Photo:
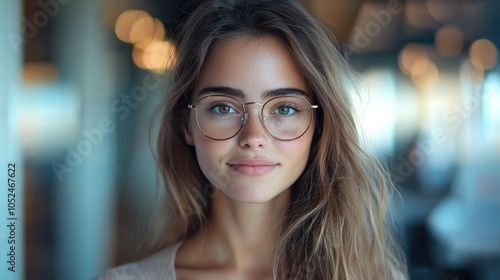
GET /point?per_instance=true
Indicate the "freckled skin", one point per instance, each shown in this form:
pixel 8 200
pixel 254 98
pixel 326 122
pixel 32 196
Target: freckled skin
pixel 252 65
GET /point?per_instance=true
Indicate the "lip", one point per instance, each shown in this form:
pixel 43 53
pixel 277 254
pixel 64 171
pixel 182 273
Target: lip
pixel 252 166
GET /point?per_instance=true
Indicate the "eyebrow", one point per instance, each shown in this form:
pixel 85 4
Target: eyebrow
pixel 238 93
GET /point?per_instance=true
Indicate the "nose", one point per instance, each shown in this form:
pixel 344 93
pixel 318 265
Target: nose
pixel 252 134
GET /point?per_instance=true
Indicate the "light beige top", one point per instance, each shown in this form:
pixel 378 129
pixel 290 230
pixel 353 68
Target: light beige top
pixel 160 265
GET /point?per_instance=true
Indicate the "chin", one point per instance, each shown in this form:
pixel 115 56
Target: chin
pixel 254 194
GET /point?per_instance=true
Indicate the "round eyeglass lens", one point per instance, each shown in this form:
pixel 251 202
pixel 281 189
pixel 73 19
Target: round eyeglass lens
pixel 219 117
pixel 287 117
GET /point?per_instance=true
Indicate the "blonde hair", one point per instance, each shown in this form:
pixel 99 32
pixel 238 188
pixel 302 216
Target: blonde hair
pixel 335 226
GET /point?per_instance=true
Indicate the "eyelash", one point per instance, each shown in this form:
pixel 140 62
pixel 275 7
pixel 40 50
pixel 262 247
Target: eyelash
pixel 291 106
pixel 218 104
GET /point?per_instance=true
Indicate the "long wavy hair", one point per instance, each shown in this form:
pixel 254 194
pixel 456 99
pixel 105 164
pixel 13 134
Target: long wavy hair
pixel 336 224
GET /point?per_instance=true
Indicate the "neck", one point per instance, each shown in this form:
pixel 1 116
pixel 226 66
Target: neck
pixel 244 235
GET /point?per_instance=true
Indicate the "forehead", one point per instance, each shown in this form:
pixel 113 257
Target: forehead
pixel 251 64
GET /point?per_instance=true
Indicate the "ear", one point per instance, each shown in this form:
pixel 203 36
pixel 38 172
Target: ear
pixel 188 136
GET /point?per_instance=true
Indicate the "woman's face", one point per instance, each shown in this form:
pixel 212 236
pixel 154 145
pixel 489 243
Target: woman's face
pixel 253 166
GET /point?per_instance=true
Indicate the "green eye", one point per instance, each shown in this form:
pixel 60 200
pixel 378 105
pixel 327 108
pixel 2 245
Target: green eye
pixel 222 109
pixel 285 110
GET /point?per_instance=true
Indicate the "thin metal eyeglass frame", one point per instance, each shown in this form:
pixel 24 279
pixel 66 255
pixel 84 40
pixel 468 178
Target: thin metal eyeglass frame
pixel 244 119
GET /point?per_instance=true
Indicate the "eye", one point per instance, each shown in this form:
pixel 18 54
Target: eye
pixel 286 109
pixel 222 108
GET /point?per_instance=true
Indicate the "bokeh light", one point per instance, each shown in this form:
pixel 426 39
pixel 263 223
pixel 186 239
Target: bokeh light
pixel 126 21
pixel 449 41
pixel 147 28
pixel 151 51
pixel 418 15
pixel 441 10
pixel 483 54
pixel 158 56
pixel 409 55
pixel 424 73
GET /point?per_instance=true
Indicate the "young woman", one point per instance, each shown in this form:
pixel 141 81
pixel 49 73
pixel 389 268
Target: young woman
pixel 259 152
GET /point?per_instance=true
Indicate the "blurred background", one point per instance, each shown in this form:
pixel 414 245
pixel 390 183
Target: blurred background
pixel 81 78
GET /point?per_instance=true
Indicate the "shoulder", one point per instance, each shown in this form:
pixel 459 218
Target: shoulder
pixel 157 266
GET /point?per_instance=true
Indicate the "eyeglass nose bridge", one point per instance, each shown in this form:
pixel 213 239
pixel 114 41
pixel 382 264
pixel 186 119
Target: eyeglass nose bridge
pixel 245 117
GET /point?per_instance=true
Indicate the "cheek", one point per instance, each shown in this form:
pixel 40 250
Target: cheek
pixel 302 146
pixel 212 156
pixel 303 152
pixel 296 153
pixel 299 151
pixel 203 147
pixel 209 153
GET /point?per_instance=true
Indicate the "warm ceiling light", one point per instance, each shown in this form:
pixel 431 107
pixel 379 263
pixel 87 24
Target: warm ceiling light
pixel 441 10
pixel 483 54
pixel 449 41
pixel 419 66
pixel 137 54
pixel 409 55
pixel 158 56
pixel 125 21
pixel 418 15
pixel 147 29
pixel 424 73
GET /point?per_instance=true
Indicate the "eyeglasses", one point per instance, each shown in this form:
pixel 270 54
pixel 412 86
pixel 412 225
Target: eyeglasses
pixel 221 117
